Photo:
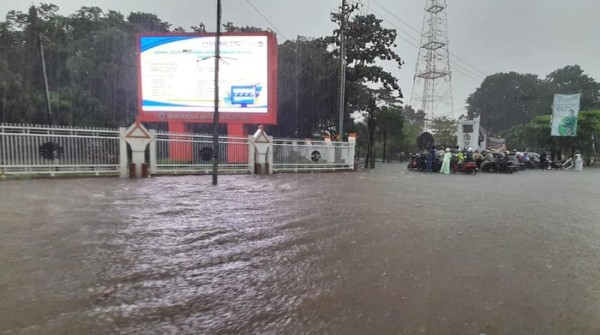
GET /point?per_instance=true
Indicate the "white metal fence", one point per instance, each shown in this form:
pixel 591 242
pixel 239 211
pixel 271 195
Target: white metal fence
pixel 55 150
pixel 292 155
pixel 178 153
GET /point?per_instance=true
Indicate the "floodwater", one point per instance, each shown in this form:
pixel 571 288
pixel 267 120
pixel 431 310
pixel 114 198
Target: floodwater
pixel 384 252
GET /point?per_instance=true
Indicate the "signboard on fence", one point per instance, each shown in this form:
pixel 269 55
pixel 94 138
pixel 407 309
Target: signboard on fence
pixel 177 72
pixel 564 114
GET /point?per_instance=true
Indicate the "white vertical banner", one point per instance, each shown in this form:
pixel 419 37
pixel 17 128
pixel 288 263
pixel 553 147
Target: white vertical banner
pixel 564 114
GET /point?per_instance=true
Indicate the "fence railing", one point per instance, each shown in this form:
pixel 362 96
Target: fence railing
pixel 55 150
pixel 179 153
pixel 291 155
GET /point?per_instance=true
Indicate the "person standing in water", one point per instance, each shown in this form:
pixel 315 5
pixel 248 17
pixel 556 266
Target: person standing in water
pixel 446 162
pixel 578 163
pixel 430 159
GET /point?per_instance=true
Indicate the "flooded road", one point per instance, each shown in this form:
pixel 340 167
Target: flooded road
pixel 387 252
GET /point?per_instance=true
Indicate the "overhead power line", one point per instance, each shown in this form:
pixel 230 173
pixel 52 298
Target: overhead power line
pixel 271 25
pixel 415 43
pixel 419 33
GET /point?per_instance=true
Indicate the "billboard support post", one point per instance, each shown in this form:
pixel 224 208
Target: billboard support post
pixel 215 170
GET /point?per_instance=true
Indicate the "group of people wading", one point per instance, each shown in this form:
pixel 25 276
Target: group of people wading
pixel 450 159
pixel 471 161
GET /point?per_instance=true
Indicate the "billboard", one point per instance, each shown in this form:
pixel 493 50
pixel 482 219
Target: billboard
pixel 564 114
pixel 494 143
pixel 177 71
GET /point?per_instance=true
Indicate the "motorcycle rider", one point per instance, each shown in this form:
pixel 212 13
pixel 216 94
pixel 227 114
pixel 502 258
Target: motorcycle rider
pixel 430 159
pixel 488 158
pixel 469 156
pixel 460 156
pixel 463 157
pixel 477 158
pixel 543 161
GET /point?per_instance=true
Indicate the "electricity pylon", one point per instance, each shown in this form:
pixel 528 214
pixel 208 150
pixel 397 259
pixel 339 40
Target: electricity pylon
pixel 432 85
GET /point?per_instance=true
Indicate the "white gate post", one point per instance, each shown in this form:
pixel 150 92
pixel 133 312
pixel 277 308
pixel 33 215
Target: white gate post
pixel 352 149
pixel 251 154
pixel 138 138
pixel 270 155
pixel 122 153
pixel 263 147
pixel 152 151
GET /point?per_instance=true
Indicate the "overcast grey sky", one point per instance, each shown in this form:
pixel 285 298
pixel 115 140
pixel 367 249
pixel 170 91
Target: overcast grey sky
pixel 533 36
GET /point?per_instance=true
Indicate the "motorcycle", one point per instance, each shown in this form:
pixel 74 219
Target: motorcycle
pixel 465 167
pixel 501 164
pixel 550 165
pixel 417 162
pixel 556 165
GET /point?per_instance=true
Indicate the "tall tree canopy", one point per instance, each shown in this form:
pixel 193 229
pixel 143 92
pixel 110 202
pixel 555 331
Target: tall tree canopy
pixel 507 99
pixel 572 79
pixel 535 135
pixel 368 45
pixel 90 62
pixel 416 118
pixel 92 70
pixel 444 130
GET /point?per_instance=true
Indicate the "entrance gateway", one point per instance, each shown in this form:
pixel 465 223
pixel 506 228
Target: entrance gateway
pixel 470 133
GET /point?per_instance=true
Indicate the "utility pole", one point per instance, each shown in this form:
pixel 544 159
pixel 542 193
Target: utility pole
pixel 432 85
pixel 45 80
pixel 342 71
pixel 215 171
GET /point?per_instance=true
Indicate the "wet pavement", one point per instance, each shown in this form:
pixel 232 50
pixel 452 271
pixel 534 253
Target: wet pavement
pixel 383 252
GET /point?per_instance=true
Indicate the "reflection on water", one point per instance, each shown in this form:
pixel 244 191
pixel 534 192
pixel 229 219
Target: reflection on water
pixel 346 253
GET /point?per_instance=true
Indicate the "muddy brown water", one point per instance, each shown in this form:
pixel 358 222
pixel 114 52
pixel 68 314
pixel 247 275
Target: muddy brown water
pixel 383 252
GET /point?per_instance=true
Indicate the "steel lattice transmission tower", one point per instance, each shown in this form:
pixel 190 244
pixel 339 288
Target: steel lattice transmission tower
pixel 432 86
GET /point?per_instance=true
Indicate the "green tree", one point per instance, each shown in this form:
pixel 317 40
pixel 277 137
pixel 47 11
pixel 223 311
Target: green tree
pixel 389 128
pixel 148 22
pixel 200 28
pixel 588 134
pixel 368 46
pixel 532 136
pixel 444 131
pixel 535 136
pixel 506 99
pixel 410 132
pixel 231 28
pixel 572 79
pixel 90 63
pixel 414 117
pixel 383 107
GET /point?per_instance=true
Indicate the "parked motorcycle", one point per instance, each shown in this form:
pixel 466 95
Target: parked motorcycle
pixel 515 161
pixel 465 167
pixel 556 165
pixel 501 164
pixel 417 162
